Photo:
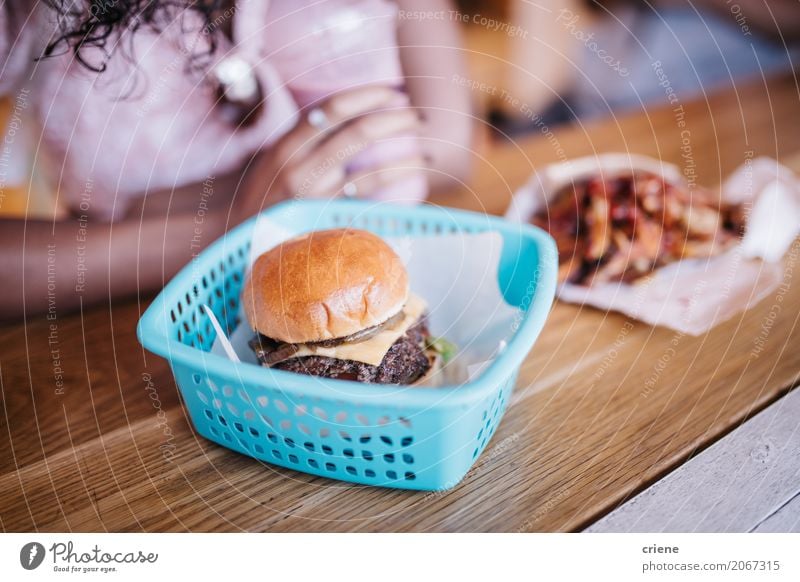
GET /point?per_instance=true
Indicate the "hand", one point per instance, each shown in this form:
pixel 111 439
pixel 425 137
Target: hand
pixel 313 160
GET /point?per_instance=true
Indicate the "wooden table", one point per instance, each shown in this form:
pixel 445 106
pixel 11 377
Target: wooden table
pixel 114 450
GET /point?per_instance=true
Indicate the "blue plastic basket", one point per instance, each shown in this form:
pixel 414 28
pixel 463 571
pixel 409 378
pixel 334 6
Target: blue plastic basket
pixel 409 438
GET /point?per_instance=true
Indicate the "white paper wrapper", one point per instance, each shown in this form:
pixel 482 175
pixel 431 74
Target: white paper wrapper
pixel 690 296
pixel 456 274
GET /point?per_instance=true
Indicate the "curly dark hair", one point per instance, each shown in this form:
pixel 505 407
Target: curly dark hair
pixel 97 23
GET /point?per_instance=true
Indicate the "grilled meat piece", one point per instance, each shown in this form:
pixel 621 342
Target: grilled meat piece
pixel 404 363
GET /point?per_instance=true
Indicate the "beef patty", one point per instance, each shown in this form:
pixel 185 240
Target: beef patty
pixel 404 363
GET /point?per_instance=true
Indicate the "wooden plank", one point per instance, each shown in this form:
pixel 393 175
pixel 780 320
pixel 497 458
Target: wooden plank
pixel 786 519
pixel 739 484
pixel 578 439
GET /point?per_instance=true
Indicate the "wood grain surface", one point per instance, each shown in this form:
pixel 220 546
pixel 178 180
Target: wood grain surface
pixel 114 450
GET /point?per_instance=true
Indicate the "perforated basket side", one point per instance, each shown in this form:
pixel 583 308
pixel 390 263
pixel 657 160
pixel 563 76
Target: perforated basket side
pixel 492 412
pixel 217 285
pixel 409 448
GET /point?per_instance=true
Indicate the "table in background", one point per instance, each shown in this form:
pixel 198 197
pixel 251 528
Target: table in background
pixel 574 444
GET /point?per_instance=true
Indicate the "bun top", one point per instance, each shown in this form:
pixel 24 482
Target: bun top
pixel 323 285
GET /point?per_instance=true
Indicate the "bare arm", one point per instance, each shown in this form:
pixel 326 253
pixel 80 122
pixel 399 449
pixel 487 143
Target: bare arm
pixel 432 54
pixel 52 267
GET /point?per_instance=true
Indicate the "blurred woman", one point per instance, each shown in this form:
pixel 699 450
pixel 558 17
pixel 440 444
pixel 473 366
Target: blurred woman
pixel 161 124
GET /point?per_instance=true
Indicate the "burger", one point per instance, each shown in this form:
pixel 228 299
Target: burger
pixel 336 304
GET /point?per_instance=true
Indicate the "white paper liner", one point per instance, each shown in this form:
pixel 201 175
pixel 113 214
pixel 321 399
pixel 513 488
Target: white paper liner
pixel 456 274
pixel 693 295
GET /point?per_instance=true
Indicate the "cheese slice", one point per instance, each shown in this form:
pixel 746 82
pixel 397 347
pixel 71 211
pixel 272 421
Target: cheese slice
pixel 372 350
